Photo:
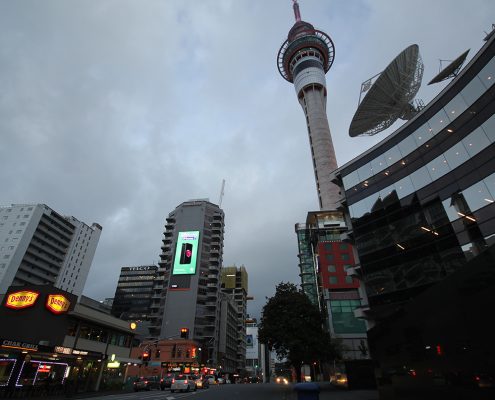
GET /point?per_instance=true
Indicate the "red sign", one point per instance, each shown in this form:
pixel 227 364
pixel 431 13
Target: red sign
pixel 22 299
pixel 44 368
pixel 57 303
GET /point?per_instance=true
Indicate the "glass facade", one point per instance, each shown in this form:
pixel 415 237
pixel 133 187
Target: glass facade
pixel 134 293
pixel 306 263
pixel 421 207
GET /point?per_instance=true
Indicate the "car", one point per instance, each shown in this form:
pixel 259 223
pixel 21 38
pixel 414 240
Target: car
pixel 220 381
pixel 202 382
pixel 282 380
pixel 147 383
pixel 184 383
pixel 166 381
pixel 211 379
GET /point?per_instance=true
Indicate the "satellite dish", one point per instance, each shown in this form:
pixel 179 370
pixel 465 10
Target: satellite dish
pixel 451 70
pixel 390 97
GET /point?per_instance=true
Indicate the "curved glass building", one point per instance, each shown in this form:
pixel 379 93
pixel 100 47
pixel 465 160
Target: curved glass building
pixel 421 207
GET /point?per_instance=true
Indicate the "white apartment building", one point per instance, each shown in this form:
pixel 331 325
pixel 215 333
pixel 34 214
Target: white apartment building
pixel 39 246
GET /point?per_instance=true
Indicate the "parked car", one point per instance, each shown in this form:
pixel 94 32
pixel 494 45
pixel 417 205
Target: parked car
pixel 166 381
pixel 202 382
pixel 147 383
pixel 184 383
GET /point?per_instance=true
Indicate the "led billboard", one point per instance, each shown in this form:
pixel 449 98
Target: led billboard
pixel 186 252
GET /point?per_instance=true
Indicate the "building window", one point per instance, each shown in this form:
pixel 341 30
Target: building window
pixel 344 256
pixel 344 246
pixel 349 280
pixel 332 268
pixel 333 280
pixel 329 257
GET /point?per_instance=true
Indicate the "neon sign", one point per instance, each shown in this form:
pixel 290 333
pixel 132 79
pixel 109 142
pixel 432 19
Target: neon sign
pixel 22 299
pixel 57 303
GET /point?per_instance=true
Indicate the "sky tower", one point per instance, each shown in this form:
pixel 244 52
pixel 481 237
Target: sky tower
pixel 303 59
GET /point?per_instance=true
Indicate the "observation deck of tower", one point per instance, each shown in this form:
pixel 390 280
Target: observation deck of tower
pixel 303 59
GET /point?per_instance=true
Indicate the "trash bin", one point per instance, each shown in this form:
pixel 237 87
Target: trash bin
pixel 307 391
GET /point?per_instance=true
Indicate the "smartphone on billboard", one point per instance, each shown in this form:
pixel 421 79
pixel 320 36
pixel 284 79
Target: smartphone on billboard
pixel 186 253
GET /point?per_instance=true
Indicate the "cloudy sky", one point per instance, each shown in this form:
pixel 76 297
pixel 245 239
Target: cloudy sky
pixel 116 111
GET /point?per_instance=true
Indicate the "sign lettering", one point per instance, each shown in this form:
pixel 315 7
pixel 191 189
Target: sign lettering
pixel 22 299
pixel 57 303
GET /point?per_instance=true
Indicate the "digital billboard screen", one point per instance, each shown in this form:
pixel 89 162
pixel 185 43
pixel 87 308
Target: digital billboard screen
pixel 186 252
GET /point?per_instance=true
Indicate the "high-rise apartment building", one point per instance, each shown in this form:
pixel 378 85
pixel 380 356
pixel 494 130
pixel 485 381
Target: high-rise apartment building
pixel 39 246
pixel 235 281
pixel 134 291
pixel 186 291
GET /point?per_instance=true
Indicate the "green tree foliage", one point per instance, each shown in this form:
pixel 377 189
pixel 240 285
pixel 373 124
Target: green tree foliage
pixel 293 327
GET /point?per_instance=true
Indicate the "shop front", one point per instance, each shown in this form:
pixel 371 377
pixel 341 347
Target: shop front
pixel 44 350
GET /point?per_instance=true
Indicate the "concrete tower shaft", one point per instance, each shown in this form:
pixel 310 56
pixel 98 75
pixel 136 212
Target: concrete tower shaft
pixel 313 101
pixel 303 59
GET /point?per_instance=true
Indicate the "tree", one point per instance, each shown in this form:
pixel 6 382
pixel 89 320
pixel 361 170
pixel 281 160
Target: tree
pixel 293 327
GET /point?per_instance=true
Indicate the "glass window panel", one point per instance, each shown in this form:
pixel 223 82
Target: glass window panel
pixel 404 187
pixel 473 90
pixel 333 280
pixel 456 155
pixel 420 178
pixel 450 209
pixel 331 268
pixel 364 172
pixel 438 167
pixel 372 202
pixel 378 164
pixel 422 135
pixel 438 122
pixel 407 146
pixel 392 156
pixel 477 196
pixel 348 280
pixel 489 128
pixel 387 191
pixel 490 183
pixel 475 141
pixel 487 74
pixel 350 180
pixel 455 107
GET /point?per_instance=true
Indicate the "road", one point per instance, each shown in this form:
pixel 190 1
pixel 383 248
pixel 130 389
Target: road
pixel 240 392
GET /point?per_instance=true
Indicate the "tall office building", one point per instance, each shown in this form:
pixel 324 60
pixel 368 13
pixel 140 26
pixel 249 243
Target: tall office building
pixel 421 204
pixel 235 281
pixel 186 291
pixel 324 260
pixel 227 347
pixel 39 246
pixel 303 59
pixel 133 293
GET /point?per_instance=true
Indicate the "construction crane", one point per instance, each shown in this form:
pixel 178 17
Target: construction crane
pixel 221 194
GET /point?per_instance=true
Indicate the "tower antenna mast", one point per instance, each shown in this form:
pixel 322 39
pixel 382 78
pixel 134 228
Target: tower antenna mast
pixel 221 194
pixel 297 12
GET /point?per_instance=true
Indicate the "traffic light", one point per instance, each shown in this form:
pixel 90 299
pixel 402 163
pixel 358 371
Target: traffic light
pixel 146 355
pixel 184 333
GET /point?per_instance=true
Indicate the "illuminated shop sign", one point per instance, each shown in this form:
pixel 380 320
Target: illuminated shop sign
pixel 63 350
pixel 22 299
pixel 185 253
pixel 13 344
pixel 57 303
